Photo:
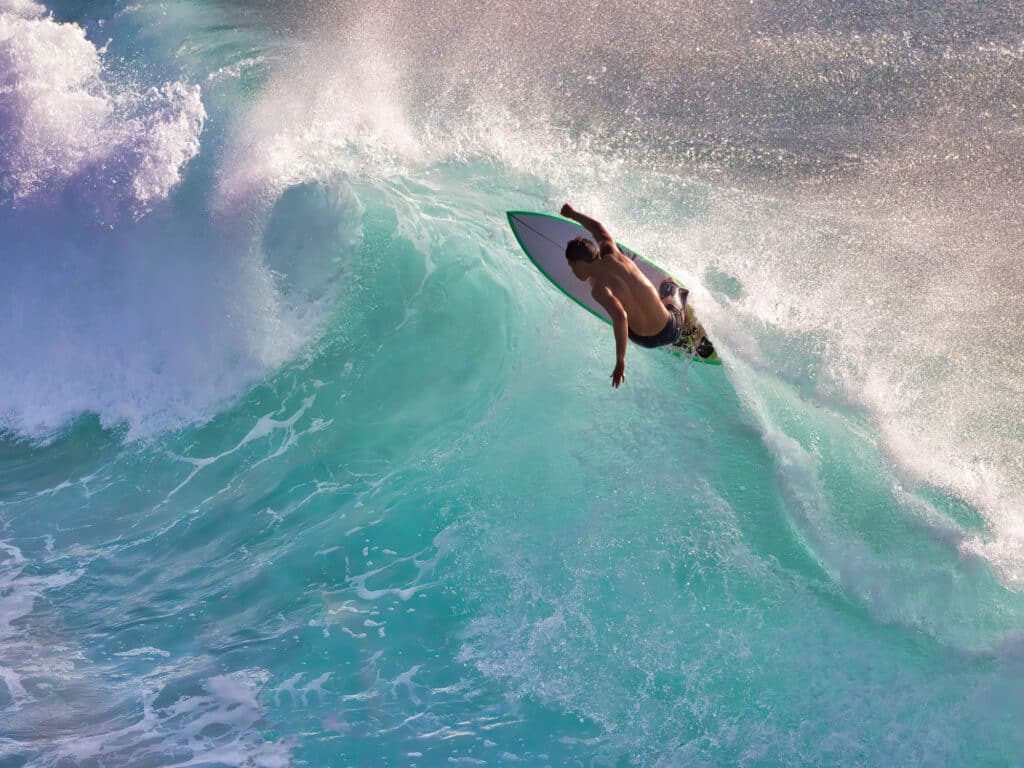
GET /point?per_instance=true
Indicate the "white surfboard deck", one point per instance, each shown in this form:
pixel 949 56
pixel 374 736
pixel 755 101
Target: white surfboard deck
pixel 544 238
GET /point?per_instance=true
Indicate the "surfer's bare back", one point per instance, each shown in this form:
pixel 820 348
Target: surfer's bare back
pixel 636 309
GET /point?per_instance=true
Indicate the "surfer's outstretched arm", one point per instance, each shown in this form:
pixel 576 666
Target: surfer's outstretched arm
pixel 593 226
pixel 620 325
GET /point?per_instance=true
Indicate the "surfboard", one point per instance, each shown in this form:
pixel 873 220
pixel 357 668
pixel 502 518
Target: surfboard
pixel 543 237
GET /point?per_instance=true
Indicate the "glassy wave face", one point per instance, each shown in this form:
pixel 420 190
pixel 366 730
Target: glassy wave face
pixel 303 463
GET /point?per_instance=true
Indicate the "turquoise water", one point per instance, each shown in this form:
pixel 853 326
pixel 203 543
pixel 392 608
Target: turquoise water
pixel 303 463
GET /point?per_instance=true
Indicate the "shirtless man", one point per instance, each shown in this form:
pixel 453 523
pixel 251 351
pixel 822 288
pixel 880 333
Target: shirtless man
pixel 637 310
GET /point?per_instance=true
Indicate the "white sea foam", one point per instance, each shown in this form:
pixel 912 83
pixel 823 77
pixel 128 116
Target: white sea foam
pixel 65 124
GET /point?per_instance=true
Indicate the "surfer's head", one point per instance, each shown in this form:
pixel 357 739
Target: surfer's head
pixel 580 251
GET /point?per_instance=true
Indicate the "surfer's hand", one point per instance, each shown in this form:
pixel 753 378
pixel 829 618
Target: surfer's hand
pixel 567 210
pixel 619 374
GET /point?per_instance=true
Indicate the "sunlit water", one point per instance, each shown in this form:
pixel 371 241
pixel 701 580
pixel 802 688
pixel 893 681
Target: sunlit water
pixel 303 463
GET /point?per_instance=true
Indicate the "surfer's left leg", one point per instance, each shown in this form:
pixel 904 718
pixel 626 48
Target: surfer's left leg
pixel 691 333
pixel 673 295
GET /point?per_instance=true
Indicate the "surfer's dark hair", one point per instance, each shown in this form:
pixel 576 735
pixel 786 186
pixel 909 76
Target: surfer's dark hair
pixel 582 249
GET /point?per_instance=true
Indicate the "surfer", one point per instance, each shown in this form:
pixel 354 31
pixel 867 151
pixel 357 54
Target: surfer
pixel 649 317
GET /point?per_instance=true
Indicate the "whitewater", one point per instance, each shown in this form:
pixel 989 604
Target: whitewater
pixel 302 462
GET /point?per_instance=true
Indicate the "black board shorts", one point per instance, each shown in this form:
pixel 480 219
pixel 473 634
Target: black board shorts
pixel 668 335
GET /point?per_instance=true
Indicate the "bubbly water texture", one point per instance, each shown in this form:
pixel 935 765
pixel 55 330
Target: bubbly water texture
pixel 303 463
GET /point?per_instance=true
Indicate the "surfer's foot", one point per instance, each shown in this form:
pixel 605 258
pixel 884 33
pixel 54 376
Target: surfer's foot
pixel 705 348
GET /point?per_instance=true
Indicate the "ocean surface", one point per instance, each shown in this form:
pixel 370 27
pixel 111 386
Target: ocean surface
pixel 302 463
